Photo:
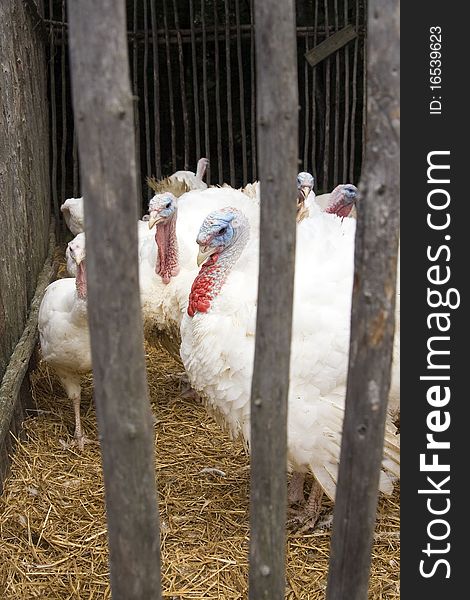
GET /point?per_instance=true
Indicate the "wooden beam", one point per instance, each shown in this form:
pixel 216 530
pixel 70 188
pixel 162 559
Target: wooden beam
pixel 103 110
pixel 331 45
pixel 372 323
pixel 277 125
pixel 19 360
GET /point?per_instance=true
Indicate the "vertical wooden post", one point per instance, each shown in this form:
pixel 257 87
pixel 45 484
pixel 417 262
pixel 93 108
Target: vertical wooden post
pixel 105 125
pixel 277 125
pixel 372 324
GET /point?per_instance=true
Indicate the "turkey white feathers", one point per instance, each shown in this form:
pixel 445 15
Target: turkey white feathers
pixel 194 181
pixel 72 209
pixel 167 264
pixel 218 340
pixel 63 330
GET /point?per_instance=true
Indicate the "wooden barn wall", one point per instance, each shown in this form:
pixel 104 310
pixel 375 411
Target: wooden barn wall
pixel 193 73
pixel 24 168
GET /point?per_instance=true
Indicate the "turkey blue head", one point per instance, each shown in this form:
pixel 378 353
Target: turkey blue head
pixel 305 183
pixel 222 237
pixel 342 199
pixel 219 231
pixel 350 193
pixel 162 207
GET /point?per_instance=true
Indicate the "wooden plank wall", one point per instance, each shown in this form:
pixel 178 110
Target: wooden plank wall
pixel 24 170
pixel 177 45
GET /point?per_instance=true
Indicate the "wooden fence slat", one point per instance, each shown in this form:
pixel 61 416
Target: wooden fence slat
pixel 156 92
pixel 218 96
pixel 254 159
pixel 20 357
pixel 54 181
pixel 169 70
pixel 277 122
pixel 354 101
pixel 346 156
pixel 207 127
pixel 336 105
pixel 103 110
pixel 228 82
pixel 327 113
pixel 373 309
pixel 75 182
pixel 145 78
pixel 315 168
pixel 197 123
pixel 135 83
pixel 331 45
pixel 241 94
pixel 63 102
pixel 184 103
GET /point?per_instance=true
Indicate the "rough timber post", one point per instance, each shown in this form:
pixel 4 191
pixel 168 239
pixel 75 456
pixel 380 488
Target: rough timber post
pixel 103 112
pixel 277 124
pixel 372 324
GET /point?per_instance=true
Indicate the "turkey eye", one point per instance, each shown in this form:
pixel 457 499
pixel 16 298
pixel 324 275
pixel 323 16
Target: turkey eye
pixel 167 205
pixel 222 231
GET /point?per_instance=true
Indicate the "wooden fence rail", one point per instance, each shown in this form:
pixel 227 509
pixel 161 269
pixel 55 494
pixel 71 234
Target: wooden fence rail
pixel 373 315
pixel 277 123
pixel 105 127
pixel 212 56
pixel 103 110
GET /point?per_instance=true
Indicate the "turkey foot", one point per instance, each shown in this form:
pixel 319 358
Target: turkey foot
pixel 295 491
pixel 184 387
pixel 79 442
pixel 305 518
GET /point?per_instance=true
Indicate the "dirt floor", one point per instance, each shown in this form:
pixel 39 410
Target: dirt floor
pixel 52 516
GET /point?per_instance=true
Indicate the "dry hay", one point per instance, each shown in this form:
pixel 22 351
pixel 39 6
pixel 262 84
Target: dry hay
pixel 52 514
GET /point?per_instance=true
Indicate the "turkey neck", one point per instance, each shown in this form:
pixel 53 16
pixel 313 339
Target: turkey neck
pixel 338 208
pixel 214 273
pixel 80 281
pixel 80 307
pixel 302 210
pixel 167 260
pixel 200 170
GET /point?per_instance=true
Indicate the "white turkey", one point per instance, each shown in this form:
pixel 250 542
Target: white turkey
pixel 63 330
pixel 218 340
pixel 167 263
pixel 304 188
pixel 194 181
pixel 341 201
pixel 142 230
pixel 72 210
pixel 305 194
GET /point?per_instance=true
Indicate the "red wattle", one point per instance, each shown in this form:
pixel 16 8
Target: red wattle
pixel 200 295
pixel 340 210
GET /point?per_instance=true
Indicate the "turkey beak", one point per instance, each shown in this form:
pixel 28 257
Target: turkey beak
pixel 203 254
pixel 154 219
pixel 305 189
pixel 79 256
